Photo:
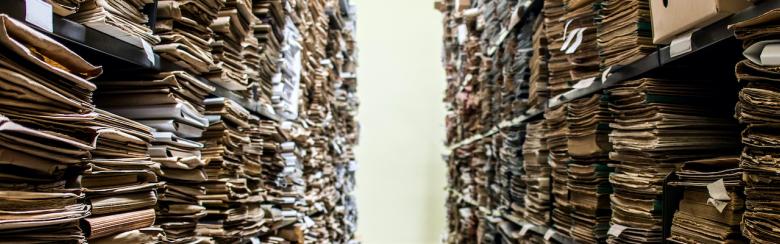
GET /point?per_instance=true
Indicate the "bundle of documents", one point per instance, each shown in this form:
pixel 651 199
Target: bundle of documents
pixel 589 188
pixel 268 31
pixel 712 203
pixel 580 44
pixel 517 73
pixel 186 39
pixel 756 109
pixel 283 179
pixel 658 125
pixel 557 128
pixel 227 192
pixel 231 29
pixel 625 33
pixel 558 65
pixel 121 19
pixel 538 92
pixel 535 152
pixel 65 7
pixel 120 181
pixel 286 82
pixel 46 132
pixel 511 170
pixel 171 103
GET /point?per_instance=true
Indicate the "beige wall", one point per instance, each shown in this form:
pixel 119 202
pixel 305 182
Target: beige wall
pixel 401 178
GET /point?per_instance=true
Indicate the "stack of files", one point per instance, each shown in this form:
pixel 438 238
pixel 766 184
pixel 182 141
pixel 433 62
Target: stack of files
pixel 66 7
pixel 537 174
pixel 183 27
pixel 712 204
pixel 463 222
pixel 512 172
pixel 176 87
pixel 227 192
pixel 253 170
pixel 178 209
pixel 580 43
pixel 658 125
pixel 167 115
pixel 286 82
pixel 44 127
pixel 231 28
pixel 756 109
pixel 520 72
pixel 121 19
pixel 558 66
pixel 625 32
pixel 589 170
pixel 251 59
pixel 557 129
pixel 120 181
pixel 538 92
pixel 283 179
pixel 268 31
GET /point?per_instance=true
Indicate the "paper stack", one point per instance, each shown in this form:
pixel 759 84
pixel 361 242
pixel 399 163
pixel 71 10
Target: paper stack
pixel 283 179
pixel 511 170
pixel 625 33
pixel 227 191
pixel 517 73
pixel 172 103
pixel 658 125
pixel 712 204
pixel 183 26
pixel 580 43
pixel 557 128
pixel 121 19
pixel 231 29
pixel 268 31
pixel 538 92
pixel 121 182
pixel 558 65
pixel 45 132
pixel 535 152
pixel 589 168
pixel 757 106
pixel 66 7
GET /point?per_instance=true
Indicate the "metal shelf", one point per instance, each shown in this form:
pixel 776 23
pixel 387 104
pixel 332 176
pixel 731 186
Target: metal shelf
pixel 519 120
pixel 116 55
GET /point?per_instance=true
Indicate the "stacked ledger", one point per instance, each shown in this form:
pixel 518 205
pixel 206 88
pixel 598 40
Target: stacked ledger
pixel 759 100
pixel 658 125
pixel 537 179
pixel 46 127
pixel 557 128
pixel 625 33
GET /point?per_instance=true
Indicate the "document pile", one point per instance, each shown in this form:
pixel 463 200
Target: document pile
pixel 268 31
pixel 171 103
pixel 45 131
pixel 227 199
pixel 658 125
pixel 65 7
pixel 121 182
pixel 589 168
pixel 625 33
pixel 186 39
pixel 557 130
pixel 511 172
pixel 537 178
pixel 580 44
pixel 121 19
pixel 231 29
pixel 283 179
pixel 759 100
pixel 712 204
pixel 558 64
pixel 517 73
pixel 538 92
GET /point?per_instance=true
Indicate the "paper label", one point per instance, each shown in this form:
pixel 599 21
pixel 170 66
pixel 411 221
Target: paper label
pixel 149 51
pixel 566 27
pixel 463 33
pixel 549 234
pixel 681 45
pixel 718 190
pixel 718 204
pixel 568 39
pixel 605 75
pixel 525 229
pixel 577 42
pixel 584 83
pixel 39 13
pixel 616 229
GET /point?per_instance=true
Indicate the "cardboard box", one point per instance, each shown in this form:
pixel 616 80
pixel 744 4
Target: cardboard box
pixel 674 17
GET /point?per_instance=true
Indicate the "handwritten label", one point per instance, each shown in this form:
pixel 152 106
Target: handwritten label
pixel 39 13
pixel 616 229
pixel 719 196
